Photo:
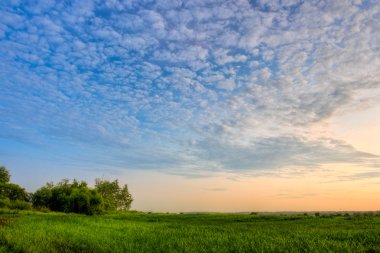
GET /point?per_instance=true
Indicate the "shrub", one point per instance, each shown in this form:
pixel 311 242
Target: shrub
pixel 13 192
pixel 42 209
pixel 16 205
pixel 4 203
pixel 42 197
pixel 75 197
pixel 20 205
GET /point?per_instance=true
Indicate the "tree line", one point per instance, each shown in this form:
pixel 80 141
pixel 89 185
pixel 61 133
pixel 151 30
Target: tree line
pixel 66 196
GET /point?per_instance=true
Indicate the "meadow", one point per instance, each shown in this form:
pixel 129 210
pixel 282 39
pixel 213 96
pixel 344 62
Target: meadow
pixel 30 231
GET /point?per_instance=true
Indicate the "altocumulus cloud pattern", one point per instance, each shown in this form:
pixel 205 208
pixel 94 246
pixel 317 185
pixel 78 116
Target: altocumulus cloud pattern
pixel 190 87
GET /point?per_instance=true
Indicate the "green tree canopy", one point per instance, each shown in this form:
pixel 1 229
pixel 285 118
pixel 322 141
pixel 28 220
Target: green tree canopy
pixel 75 197
pixel 11 191
pixel 67 196
pixel 114 196
pixel 4 175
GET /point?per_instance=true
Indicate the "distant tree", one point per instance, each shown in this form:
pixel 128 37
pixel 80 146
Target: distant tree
pixel 13 192
pixel 66 196
pixel 12 195
pixel 124 199
pixel 5 176
pixel 74 197
pixel 42 197
pixel 84 200
pixel 114 196
pixel 108 191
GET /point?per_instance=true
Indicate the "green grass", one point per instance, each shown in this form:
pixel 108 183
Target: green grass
pixel 138 232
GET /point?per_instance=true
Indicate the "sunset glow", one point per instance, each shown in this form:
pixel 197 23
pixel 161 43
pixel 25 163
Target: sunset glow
pixel 228 106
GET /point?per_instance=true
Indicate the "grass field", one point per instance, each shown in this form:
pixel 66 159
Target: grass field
pixel 139 232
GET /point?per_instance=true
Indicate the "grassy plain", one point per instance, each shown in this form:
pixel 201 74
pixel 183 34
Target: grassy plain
pixel 139 232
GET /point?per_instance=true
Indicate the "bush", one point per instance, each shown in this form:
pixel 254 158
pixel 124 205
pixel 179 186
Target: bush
pixel 42 197
pixel 12 196
pixel 42 209
pixel 16 205
pixel 75 197
pixel 20 205
pixel 4 203
pixel 66 196
pixel 13 192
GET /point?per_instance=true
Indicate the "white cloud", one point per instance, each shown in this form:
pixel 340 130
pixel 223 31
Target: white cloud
pixel 226 85
pixel 144 74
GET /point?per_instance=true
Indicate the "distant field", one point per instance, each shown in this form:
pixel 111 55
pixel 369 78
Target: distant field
pixel 139 232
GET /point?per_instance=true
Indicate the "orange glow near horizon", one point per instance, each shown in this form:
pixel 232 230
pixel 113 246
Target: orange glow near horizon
pixel 330 190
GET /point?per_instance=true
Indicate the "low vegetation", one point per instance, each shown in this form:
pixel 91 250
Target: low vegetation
pixel 66 196
pixel 26 231
pixel 56 218
pixel 12 196
pixel 75 197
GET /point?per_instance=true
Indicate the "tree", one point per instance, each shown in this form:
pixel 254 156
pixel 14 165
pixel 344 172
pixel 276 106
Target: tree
pixel 66 196
pixel 114 196
pixel 4 175
pixel 124 199
pixel 75 197
pixel 13 192
pixel 12 196
pixel 42 197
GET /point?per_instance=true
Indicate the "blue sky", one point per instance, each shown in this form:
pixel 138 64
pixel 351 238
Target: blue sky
pixel 189 88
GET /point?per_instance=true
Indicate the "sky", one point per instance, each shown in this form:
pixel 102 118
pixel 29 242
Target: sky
pixel 199 105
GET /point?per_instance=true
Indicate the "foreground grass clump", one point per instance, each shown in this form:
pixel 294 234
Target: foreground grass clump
pixel 139 232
